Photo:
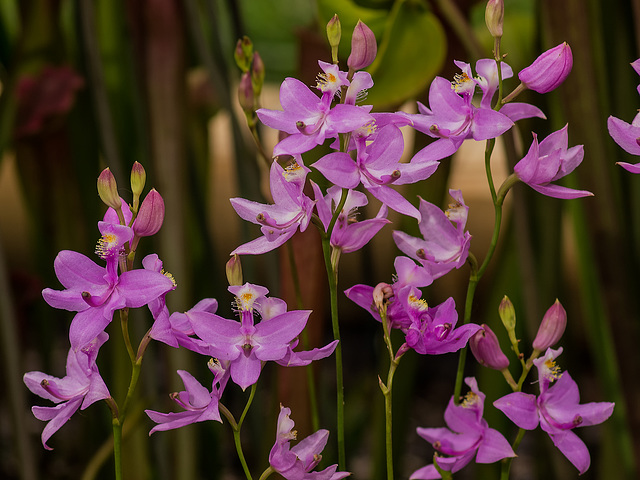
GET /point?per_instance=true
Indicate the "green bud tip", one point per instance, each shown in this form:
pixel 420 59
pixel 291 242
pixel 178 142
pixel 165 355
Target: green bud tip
pixel 108 189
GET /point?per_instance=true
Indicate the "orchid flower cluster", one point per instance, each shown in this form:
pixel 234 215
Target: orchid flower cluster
pixel 365 163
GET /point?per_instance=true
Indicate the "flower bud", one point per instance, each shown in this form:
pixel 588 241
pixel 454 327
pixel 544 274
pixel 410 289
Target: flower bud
pixel 257 74
pixel 108 189
pixel 243 54
pixel 548 70
pixel 363 47
pixel 494 17
pixel 150 216
pixel 245 93
pixel 486 348
pixel 334 32
pixel 551 328
pixel 138 179
pixel 508 316
pixel 234 271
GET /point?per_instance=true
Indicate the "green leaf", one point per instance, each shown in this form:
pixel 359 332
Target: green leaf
pixel 410 54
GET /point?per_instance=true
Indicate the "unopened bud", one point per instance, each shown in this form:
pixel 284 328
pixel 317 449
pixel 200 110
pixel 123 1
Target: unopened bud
pixel 494 17
pixel 334 32
pixel 485 347
pixel 138 179
pixel 108 189
pixel 257 74
pixel 551 328
pixel 243 54
pixel 245 93
pixel 363 47
pixel 150 216
pixel 508 316
pixel 234 271
pixel 548 70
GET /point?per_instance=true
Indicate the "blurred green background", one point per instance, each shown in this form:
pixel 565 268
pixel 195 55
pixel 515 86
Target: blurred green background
pixel 88 84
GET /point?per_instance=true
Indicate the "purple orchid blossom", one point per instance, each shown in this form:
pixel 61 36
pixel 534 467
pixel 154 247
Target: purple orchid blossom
pixel 96 292
pixel 247 345
pixel 548 161
pixel 279 222
pixel 556 409
pixel 626 135
pixel 348 235
pixel 296 463
pixel 452 118
pixel 198 402
pixel 407 274
pixel 433 329
pixel 443 246
pixel 377 166
pixel 310 120
pixel 468 435
pixel 81 387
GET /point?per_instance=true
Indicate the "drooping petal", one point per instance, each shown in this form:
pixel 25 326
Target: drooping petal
pixel 494 447
pixel 573 448
pixel 624 134
pixel 56 416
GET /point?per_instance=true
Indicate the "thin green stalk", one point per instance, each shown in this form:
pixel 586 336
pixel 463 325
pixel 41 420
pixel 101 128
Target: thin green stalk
pixel 236 426
pixel 117 447
pixel 332 276
pixel 386 391
pixel 506 462
pixel 266 473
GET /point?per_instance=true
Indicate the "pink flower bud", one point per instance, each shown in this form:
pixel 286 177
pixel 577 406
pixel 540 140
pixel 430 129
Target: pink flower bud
pixel 257 74
pixel 363 47
pixel 551 328
pixel 245 93
pixel 150 216
pixel 548 70
pixel 494 17
pixel 486 348
pixel 108 189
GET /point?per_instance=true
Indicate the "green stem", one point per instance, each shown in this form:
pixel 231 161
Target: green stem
pixel 117 447
pixel 236 426
pixel 386 391
pixel 332 276
pixel 266 473
pixel 506 463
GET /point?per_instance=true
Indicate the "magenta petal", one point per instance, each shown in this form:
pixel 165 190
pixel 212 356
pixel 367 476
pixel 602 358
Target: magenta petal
pixel 488 123
pixel 273 336
pixel 393 199
pixel 427 472
pixel 630 167
pixel 57 417
pixel 558 191
pixel 245 370
pixel 340 169
pixel 573 448
pixel 262 245
pixel 86 325
pixel 518 111
pixel 624 134
pixel 494 447
pixel 75 270
pixel 222 334
pixel 139 287
pixel 520 408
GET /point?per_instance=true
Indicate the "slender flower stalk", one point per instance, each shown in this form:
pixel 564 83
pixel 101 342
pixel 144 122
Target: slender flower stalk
pixel 394 361
pixel 332 276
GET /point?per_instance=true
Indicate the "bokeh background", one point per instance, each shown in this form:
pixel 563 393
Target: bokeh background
pixel 87 84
